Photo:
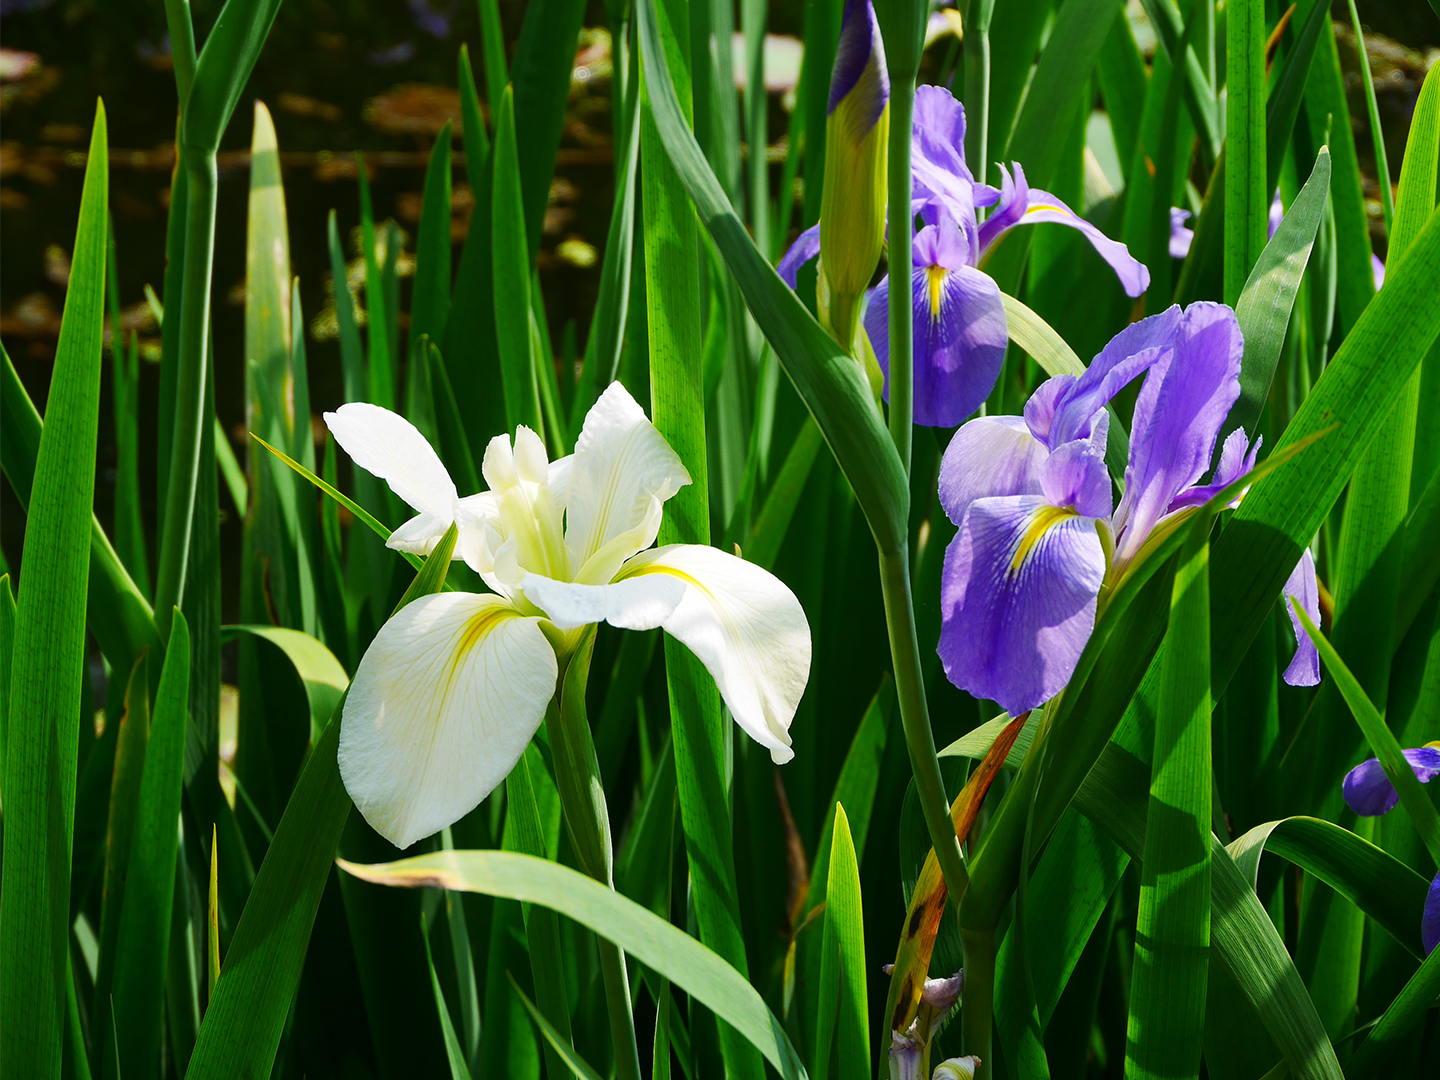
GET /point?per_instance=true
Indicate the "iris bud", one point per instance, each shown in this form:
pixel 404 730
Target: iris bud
pixel 852 207
pixel 962 1068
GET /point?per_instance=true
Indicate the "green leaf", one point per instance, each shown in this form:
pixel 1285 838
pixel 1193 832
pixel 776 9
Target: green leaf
pixel 654 942
pixel 1247 201
pixel 843 1012
pixel 1391 1035
pixel 773 522
pixel 454 445
pixel 430 298
pixel 829 381
pixel 512 278
pixel 492 45
pixel 1381 739
pixel 7 655
pixel 223 68
pixel 49 655
pixel 124 384
pixel 458 1069
pixel 382 363
pixel 554 1039
pixel 1172 931
pixel 143 945
pixel 1269 295
pixel 246 1015
pixel 320 672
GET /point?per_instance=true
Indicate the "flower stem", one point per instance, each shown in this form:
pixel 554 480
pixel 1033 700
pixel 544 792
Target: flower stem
pixel 902 324
pixel 190 387
pixel 977 85
pixel 978 1008
pixel 915 718
pixel 582 797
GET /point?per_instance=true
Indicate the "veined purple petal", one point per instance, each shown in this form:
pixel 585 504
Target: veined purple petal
pixel 1430 921
pixel 1075 477
pixel 1181 235
pixel 859 50
pixel 1304 669
pixel 1127 354
pixel 1235 462
pixel 960 338
pixel 1017 599
pixel 1184 401
pixel 989 456
pixel 805 248
pixel 1368 790
pixel 1010 207
pixel 1030 206
pixel 937 155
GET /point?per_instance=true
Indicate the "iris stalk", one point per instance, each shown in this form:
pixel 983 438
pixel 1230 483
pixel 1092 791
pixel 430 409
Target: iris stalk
pixel 977 83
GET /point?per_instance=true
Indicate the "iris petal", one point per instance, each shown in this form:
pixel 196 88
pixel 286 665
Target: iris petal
pixel 989 456
pixel 960 338
pixel 1017 599
pixel 1368 790
pixel 1430 921
pixel 805 248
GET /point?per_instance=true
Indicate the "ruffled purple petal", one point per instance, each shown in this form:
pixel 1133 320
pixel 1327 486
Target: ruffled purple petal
pixel 805 248
pixel 937 154
pixel 859 46
pixel 1368 790
pixel 1017 599
pixel 989 456
pixel 1304 669
pixel 960 338
pixel 1181 235
pixel 1178 414
pixel 1031 206
pixel 1430 921
pixel 1235 462
pixel 1128 353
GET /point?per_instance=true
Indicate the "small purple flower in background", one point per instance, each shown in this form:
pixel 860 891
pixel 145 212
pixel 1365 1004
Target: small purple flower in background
pixel 960 328
pixel 1430 920
pixel 1032 499
pixel 1368 790
pixel 1181 235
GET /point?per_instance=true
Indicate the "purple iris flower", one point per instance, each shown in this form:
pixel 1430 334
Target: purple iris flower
pixel 1368 790
pixel 1038 529
pixel 960 329
pixel 1430 921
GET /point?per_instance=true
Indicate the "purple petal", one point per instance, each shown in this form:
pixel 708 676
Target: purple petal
pixel 1075 477
pixel 1277 215
pixel 1039 207
pixel 1184 401
pixel 1378 269
pixel 1368 790
pixel 858 50
pixel 1430 921
pixel 1017 599
pixel 1304 669
pixel 1010 208
pixel 989 456
pixel 1181 236
pixel 937 153
pixel 1235 462
pixel 805 248
pixel 960 339
pixel 1128 353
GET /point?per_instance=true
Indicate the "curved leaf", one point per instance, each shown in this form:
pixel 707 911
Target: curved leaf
pixel 650 939
pixel 323 676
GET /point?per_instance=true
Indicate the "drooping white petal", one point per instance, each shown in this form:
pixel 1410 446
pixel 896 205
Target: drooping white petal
pixel 419 535
pixel 742 622
pixel 621 463
pixel 442 706
pixel 389 446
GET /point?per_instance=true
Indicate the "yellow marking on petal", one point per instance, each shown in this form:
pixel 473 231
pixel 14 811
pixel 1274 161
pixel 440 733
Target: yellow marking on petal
pixel 936 276
pixel 476 628
pixel 1042 206
pixel 1039 525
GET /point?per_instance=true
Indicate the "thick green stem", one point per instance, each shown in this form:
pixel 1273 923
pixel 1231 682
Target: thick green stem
pixel 977 86
pixel 902 324
pixel 190 387
pixel 915 718
pixel 978 1010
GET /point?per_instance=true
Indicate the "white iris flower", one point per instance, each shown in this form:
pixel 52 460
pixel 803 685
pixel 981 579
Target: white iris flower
pixel 455 685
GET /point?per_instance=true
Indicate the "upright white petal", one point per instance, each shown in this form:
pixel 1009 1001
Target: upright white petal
pixel 745 626
pixel 389 446
pixel 442 706
pixel 621 463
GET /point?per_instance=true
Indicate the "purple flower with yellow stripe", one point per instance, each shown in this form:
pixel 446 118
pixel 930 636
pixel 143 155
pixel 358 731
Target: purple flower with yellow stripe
pixel 1039 532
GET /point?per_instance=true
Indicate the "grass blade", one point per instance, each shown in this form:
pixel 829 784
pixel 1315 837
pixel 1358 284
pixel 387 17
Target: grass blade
pixel 319 671
pixel 512 278
pixel 143 945
pixel 49 656
pixel 430 298
pixel 1247 199
pixel 453 1055
pixel 1172 934
pixel 845 1023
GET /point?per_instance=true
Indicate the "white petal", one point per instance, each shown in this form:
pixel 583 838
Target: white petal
pixel 419 535
pixel 744 625
pixel 442 706
pixel 388 445
pixel 621 462
pixel 638 603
